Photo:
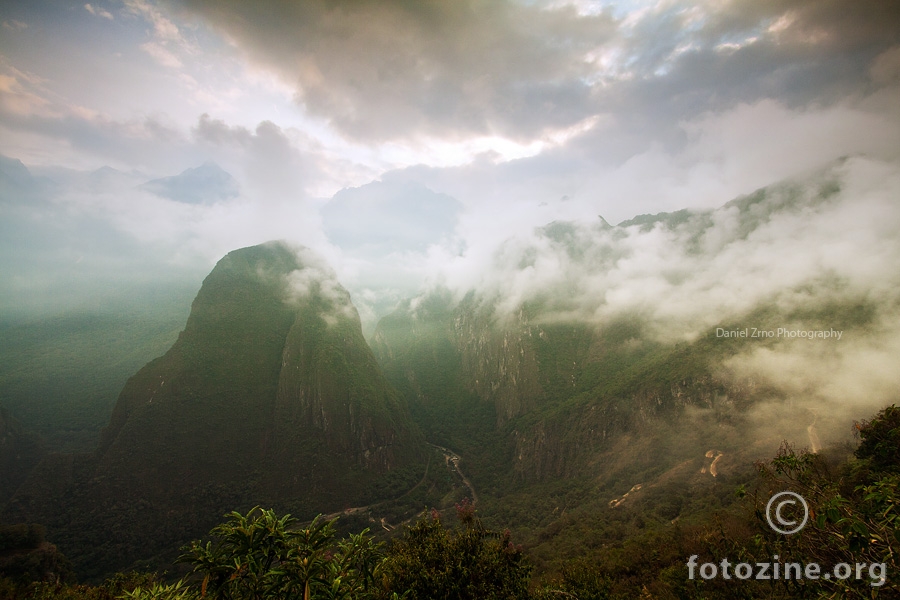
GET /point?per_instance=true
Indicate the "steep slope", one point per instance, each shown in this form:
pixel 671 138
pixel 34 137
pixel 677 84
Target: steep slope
pixel 600 367
pixel 525 400
pixel 269 396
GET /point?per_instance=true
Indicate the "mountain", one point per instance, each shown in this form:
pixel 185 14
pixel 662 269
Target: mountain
pixel 205 184
pixel 14 174
pixel 18 186
pixel 592 371
pixel 599 383
pixel 528 401
pixel 270 396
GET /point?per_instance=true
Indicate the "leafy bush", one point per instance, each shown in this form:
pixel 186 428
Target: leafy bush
pixel 117 586
pixel 881 440
pixel 470 563
pixel 259 555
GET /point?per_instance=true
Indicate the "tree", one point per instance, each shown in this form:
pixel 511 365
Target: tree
pixel 431 562
pixel 854 512
pixel 259 556
pixel 880 440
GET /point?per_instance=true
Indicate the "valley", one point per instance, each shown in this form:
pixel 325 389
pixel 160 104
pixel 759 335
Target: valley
pixel 449 299
pixel 580 435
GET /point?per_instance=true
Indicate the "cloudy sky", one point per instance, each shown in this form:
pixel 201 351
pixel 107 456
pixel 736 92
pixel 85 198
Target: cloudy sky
pixel 400 136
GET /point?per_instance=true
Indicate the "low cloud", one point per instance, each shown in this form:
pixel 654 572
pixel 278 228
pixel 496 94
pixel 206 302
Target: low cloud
pixel 803 254
pixel 316 280
pixel 858 372
pixel 834 231
pixel 379 219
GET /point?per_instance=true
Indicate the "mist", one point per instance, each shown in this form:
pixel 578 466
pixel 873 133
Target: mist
pixel 812 253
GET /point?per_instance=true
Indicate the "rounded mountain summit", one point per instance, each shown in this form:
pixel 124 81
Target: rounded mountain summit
pixel 269 396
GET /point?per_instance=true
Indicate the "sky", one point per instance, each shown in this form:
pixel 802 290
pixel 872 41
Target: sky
pixel 408 142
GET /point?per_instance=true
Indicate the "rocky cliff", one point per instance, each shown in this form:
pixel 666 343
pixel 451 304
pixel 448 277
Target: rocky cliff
pixel 269 396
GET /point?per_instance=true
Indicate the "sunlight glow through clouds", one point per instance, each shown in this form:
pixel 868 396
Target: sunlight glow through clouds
pixel 521 111
pixel 440 153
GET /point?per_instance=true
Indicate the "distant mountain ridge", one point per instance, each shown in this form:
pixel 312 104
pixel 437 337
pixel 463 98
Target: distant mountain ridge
pixel 206 184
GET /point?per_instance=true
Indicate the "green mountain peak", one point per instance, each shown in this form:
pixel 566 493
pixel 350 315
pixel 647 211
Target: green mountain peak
pixel 269 396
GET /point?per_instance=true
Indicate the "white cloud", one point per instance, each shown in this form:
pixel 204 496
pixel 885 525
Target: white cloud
pixel 14 25
pixel 99 12
pixel 164 29
pixel 682 279
pixel 162 55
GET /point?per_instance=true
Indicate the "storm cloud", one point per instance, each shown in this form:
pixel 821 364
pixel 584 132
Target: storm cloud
pixel 396 69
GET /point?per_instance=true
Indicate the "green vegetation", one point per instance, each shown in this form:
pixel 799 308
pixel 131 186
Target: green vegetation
pixel 854 503
pixel 259 556
pixel 472 562
pixel 269 396
pixel 276 400
pixel 20 452
pixel 60 376
pixel 634 552
pixel 556 421
pixel 116 587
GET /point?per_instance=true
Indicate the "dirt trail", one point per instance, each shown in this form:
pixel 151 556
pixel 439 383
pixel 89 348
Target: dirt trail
pixel 452 458
pixel 359 509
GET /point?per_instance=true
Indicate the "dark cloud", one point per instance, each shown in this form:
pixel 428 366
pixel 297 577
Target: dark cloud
pixel 216 131
pixel 386 69
pixel 685 60
pixel 828 26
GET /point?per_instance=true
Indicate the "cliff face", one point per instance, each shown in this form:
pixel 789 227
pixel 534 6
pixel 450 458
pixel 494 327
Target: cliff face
pixel 330 387
pixel 498 364
pixel 271 366
pixel 563 398
pixel 582 335
pixel 269 396
pixel 441 350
